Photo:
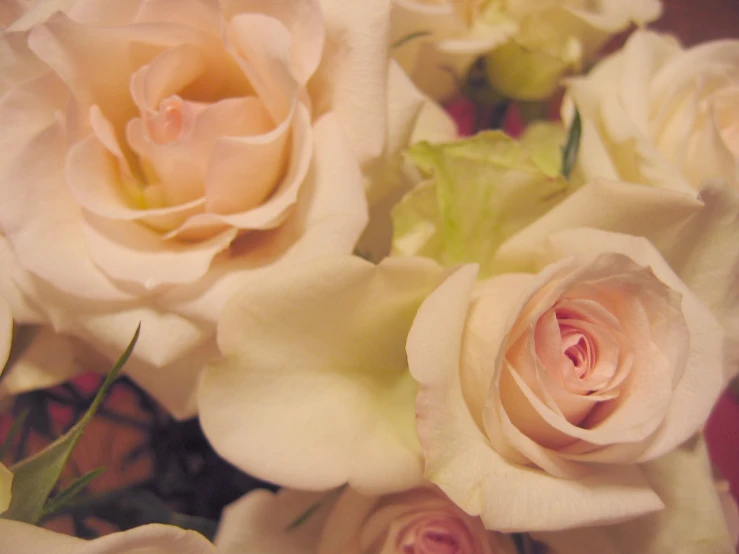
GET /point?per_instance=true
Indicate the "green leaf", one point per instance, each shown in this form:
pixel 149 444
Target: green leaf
pixel 35 477
pixel 407 38
pixel 65 497
pixel 480 191
pixel 572 146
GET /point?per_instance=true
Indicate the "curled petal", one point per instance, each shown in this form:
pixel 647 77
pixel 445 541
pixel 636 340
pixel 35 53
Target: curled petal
pixel 350 397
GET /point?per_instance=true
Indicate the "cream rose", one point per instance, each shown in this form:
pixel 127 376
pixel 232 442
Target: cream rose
pixel 153 539
pixel 656 113
pixel 154 159
pixel 541 392
pixel 421 520
pixel 531 42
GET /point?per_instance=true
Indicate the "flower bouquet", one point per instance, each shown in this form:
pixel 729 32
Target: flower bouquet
pixel 373 277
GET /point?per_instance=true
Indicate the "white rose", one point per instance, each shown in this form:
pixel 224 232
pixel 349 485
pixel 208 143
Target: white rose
pixel 421 520
pixel 154 159
pixel 532 42
pixel 540 392
pixel 656 113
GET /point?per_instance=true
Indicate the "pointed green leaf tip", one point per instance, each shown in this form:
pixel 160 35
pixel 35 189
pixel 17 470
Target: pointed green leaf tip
pixel 572 146
pixel 34 478
pixel 480 191
pixel 66 497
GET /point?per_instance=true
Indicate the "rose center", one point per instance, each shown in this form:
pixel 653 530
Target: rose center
pixel 167 123
pixel 577 347
pixel 434 537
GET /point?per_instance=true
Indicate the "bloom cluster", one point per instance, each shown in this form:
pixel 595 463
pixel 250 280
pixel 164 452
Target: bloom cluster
pixel 498 344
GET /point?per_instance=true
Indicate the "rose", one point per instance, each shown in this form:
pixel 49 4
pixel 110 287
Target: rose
pixel 178 154
pixel 419 520
pixel 540 392
pixel 658 114
pixel 154 539
pixel 436 42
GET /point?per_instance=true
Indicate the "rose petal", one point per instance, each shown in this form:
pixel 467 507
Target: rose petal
pixel 274 211
pixel 607 205
pixel 244 170
pixel 262 522
pixel 22 537
pixel 27 221
pixel 692 521
pixel 27 110
pixel 96 63
pixel 97 183
pixel 152 538
pixel 261 45
pixel 355 74
pixel 703 253
pixel 195 14
pixel 329 216
pixel 47 359
pixel 128 251
pixel 304 21
pixel 351 416
pixel 18 63
pixel 90 12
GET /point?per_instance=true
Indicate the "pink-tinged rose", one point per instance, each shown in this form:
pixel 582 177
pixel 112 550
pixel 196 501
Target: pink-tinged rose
pixel 152 539
pixel 156 155
pixel 659 114
pixel 416 521
pixel 540 393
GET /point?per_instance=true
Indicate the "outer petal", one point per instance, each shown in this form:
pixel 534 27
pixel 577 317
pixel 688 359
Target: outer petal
pixel 703 252
pixel 314 389
pixel 302 19
pixel 37 12
pixel 606 205
pixel 461 461
pixel 17 62
pixel 152 539
pixel 43 358
pixel 692 522
pixel 29 539
pixel 353 72
pixel 260 523
pixel 28 222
